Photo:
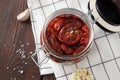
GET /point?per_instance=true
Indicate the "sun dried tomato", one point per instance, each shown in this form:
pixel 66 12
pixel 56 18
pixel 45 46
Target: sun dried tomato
pixel 53 31
pixel 67 34
pixel 67 49
pixel 85 30
pixel 53 41
pixel 58 24
pixel 70 34
pixel 84 41
pixel 79 49
pixel 48 32
pixel 53 21
pixel 85 37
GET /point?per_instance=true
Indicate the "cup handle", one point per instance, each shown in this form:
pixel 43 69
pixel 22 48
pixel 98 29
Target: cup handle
pixel 35 54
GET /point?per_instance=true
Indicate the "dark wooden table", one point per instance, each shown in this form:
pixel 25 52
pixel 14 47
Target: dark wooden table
pixel 16 44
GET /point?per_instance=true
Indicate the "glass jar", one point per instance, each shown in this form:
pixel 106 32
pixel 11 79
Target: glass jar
pixel 61 58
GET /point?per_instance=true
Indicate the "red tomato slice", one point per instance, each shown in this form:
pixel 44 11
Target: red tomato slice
pixel 70 34
pixel 53 41
pixel 51 24
pixel 59 24
pixel 79 49
pixel 85 37
pixel 84 41
pixel 67 49
pixel 85 29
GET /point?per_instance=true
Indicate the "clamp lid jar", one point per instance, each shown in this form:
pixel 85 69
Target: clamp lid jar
pixel 67 35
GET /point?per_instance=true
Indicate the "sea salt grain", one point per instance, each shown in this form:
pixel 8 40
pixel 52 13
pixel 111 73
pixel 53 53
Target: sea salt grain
pixel 26 63
pixel 20 71
pixel 32 76
pixel 18 50
pixel 14 69
pixel 22 46
pixel 15 79
pixel 11 78
pixel 20 41
pixel 7 67
pixel 21 52
pixel 31 52
pixel 13 45
pixel 23 56
pixel 27 44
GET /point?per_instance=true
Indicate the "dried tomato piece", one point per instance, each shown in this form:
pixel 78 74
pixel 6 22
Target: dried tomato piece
pixel 85 37
pixel 67 49
pixel 79 49
pixel 58 24
pixel 53 41
pixel 50 29
pixel 84 41
pixel 70 34
pixel 53 21
pixel 48 32
pixel 53 31
pixel 85 30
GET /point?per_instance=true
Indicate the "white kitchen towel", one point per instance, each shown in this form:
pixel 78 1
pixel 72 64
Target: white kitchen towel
pixel 104 58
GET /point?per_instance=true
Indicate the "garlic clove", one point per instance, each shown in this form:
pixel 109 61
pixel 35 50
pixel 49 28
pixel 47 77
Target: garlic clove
pixel 23 16
pixel 82 74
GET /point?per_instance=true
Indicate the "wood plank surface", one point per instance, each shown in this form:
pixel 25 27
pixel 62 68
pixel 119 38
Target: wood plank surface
pixel 17 44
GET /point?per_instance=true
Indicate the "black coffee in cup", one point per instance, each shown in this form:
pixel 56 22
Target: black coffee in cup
pixel 109 10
